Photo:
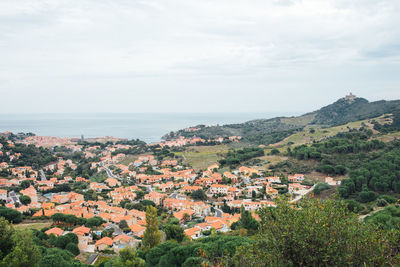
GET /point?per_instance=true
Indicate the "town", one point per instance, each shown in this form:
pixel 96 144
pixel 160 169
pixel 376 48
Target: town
pixel 93 195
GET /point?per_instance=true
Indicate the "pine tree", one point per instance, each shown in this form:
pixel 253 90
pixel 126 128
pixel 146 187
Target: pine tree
pixel 152 235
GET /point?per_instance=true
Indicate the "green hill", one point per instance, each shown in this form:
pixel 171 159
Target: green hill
pixel 268 131
pixel 344 111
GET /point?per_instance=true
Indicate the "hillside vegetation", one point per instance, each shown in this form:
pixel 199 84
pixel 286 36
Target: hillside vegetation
pixel 274 130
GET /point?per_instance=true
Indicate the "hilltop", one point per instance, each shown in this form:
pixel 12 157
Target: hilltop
pixel 268 131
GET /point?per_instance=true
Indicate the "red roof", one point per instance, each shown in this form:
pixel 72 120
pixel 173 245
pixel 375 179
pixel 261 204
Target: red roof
pixel 105 240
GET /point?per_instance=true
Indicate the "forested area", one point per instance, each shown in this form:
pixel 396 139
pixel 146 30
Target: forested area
pixel 311 233
pixel 35 248
pixel 373 167
pixel 235 157
pixel 31 155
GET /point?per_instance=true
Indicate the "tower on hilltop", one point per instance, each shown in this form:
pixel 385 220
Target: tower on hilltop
pixel 350 97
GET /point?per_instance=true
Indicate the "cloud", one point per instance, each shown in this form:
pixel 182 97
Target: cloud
pixel 151 48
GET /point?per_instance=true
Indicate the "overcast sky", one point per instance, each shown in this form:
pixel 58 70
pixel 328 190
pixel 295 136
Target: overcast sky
pixel 195 56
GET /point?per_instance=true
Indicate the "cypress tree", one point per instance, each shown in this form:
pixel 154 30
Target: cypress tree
pixel 152 235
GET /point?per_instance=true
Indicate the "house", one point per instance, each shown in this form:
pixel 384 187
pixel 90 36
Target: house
pixel 219 225
pixel 193 233
pixel 231 176
pixel 271 191
pixel 137 230
pixel 112 182
pixel 84 237
pixel 190 189
pixel 81 231
pixel 247 171
pixel 296 188
pixel 103 244
pixel 122 240
pixel 156 197
pixel 180 215
pixel 30 192
pixel 3 194
pixel 213 167
pixel 297 178
pixel 219 189
pixel 274 179
pixel 166 187
pixel 55 231
pixel 98 187
pixel 331 181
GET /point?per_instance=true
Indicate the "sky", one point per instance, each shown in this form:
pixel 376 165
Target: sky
pixel 64 56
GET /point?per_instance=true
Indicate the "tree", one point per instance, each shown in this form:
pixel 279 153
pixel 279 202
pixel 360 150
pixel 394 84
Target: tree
pixel 6 232
pixel 246 221
pixel 10 215
pixel 152 235
pixel 146 202
pixel 55 257
pixel 174 231
pixel 154 254
pixel 320 187
pixel 25 184
pixel 186 217
pixel 73 248
pixel 128 257
pixel 199 195
pixel 24 253
pixel 139 194
pixel 62 241
pixel 94 222
pixel 275 151
pixel 123 224
pixel 25 200
pixel 317 233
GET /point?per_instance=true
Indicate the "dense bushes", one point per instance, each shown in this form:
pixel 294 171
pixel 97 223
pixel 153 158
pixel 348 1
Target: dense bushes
pixel 209 250
pixel 387 218
pixel 236 157
pixel 32 248
pixel 31 155
pixel 381 174
pixel 318 234
pixel 320 187
pixel 373 166
pixel 72 219
pixel 11 215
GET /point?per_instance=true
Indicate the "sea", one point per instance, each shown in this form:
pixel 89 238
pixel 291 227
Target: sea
pixel 149 127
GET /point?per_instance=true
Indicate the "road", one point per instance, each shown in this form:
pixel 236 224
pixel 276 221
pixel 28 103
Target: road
pixel 300 196
pixel 117 230
pixel 218 212
pixel 174 194
pixel 246 180
pixel 42 175
pixel 109 172
pixel 14 197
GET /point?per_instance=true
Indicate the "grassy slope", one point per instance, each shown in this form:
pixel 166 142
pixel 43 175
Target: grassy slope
pixel 299 121
pixel 131 158
pixel 200 157
pixel 306 136
pixel 37 226
pixel 389 137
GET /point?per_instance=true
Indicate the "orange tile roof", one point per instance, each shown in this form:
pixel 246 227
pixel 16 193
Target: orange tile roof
pixel 81 230
pixel 105 240
pixel 123 238
pixel 55 230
